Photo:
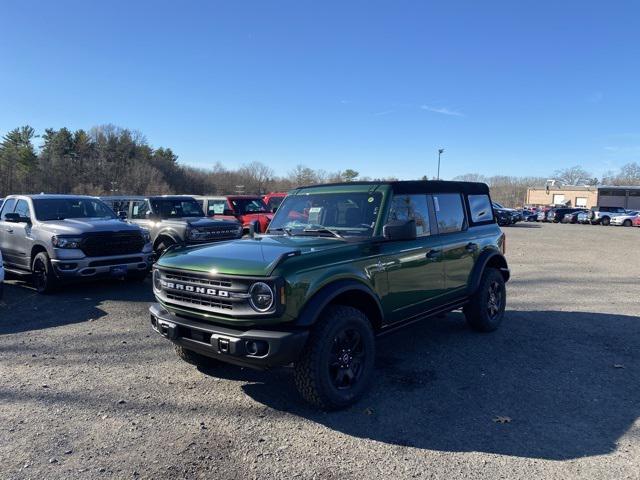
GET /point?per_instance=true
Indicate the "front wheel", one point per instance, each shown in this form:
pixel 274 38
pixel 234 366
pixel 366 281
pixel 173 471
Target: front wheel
pixel 627 223
pixel 605 221
pixel 485 310
pixel 336 366
pixel 44 278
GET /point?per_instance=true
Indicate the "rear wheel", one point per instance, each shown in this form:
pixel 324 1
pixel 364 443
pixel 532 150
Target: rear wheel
pixel 336 366
pixel 44 278
pixel 485 310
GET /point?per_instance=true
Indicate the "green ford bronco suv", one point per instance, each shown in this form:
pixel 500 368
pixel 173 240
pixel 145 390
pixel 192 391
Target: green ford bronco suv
pixel 339 265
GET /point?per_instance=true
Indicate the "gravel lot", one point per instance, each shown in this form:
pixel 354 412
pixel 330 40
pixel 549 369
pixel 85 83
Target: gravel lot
pixel 88 391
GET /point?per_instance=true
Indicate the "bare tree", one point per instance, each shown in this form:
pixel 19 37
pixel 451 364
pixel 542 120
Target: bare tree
pixel 573 176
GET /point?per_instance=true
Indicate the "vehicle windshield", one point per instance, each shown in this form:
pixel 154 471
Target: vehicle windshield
pixel 249 205
pixel 61 208
pixel 177 207
pixel 335 214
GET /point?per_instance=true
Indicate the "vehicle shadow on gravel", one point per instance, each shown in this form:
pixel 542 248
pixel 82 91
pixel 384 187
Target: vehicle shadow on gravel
pixel 23 309
pixel 549 384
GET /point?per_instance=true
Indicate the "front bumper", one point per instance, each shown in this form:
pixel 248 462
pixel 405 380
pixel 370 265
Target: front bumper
pixel 89 267
pixel 250 348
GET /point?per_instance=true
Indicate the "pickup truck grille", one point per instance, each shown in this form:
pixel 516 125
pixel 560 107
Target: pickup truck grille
pixel 112 243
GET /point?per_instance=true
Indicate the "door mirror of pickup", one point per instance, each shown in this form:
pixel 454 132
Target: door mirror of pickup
pixel 16 218
pixel 400 230
pixel 122 215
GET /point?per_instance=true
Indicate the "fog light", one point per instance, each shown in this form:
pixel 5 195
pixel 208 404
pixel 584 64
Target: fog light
pixel 256 348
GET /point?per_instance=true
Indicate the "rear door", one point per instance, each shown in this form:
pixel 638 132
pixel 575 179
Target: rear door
pixel 457 248
pixel 6 228
pixel 414 268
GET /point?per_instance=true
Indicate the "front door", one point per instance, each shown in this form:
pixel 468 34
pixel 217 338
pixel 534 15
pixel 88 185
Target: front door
pixel 7 230
pixel 415 274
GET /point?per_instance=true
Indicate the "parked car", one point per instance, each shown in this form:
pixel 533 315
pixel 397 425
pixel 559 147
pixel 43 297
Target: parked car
pixel 603 215
pixel 1 276
pixel 249 210
pixel 514 214
pixel 572 217
pixel 529 215
pixel 625 219
pixel 559 213
pixel 67 237
pixel 173 220
pixel 583 216
pixel 636 221
pixel 503 217
pixel 369 257
pixel 273 200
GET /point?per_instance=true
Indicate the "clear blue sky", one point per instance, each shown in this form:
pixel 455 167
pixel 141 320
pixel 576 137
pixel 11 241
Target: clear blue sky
pixel 505 87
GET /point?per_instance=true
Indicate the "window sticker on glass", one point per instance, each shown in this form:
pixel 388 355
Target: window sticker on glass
pixel 436 204
pixel 314 214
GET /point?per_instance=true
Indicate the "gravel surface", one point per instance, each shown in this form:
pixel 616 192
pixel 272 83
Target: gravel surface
pixel 87 390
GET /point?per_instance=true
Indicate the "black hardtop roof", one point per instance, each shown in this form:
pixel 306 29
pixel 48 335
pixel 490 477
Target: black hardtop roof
pixel 419 186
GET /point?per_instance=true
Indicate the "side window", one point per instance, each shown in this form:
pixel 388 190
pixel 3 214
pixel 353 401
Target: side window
pixel 480 208
pixel 22 207
pixel 449 212
pixel 411 207
pixel 216 207
pixel 140 209
pixel 7 207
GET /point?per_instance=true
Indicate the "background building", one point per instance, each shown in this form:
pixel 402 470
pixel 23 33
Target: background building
pixel 625 197
pixel 570 195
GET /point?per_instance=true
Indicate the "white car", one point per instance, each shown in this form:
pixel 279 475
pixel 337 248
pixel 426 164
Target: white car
pixel 625 219
pixel 1 276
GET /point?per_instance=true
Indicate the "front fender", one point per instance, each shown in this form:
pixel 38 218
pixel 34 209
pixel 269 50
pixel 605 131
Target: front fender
pixel 324 296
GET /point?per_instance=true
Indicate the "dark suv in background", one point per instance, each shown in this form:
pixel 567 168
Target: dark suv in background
pixel 173 220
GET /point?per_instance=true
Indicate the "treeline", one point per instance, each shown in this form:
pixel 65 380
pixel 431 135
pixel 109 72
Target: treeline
pixel 112 160
pixel 109 160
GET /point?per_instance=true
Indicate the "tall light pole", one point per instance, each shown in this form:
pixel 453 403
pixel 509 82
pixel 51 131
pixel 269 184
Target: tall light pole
pixel 440 152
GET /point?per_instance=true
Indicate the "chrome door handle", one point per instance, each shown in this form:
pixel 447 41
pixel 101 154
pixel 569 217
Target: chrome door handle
pixel 431 254
pixel 471 247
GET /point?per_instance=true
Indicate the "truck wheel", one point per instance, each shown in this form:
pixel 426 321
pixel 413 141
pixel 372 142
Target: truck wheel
pixel 485 310
pixel 605 221
pixel 336 366
pixel 44 278
pixel 194 358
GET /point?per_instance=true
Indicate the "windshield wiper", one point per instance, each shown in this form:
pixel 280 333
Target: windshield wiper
pixel 335 233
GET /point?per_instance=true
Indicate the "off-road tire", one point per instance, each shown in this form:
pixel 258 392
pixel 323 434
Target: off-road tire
pixel 43 276
pixel 312 372
pixel 477 311
pixel 194 358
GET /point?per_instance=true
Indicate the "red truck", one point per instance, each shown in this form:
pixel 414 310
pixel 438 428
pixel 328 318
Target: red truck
pixel 247 209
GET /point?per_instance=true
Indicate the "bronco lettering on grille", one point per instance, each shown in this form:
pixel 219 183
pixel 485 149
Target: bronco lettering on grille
pixel 190 288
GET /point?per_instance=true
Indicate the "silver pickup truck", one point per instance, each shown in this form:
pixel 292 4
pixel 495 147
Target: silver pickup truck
pixel 65 237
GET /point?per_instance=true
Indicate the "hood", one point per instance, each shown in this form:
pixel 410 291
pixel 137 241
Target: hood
pixel 250 256
pixel 78 226
pixel 200 222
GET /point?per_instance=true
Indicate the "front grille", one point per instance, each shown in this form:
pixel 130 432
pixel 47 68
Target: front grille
pixel 115 261
pixel 112 243
pixel 181 277
pixel 199 300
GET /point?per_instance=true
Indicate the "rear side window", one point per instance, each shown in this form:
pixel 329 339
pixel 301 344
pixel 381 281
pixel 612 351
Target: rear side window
pixel 411 207
pixel 449 212
pixel 216 207
pixel 8 207
pixel 480 208
pixel 140 209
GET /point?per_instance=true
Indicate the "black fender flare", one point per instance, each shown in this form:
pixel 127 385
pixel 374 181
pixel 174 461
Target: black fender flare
pixel 167 233
pixel 311 311
pixel 483 260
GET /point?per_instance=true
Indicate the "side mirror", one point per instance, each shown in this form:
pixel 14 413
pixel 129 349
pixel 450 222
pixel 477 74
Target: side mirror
pixel 228 212
pixel 122 215
pixel 16 218
pixel 400 230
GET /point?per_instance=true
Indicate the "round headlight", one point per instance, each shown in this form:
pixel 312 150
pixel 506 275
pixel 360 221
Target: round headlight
pixel 157 284
pixel 261 296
